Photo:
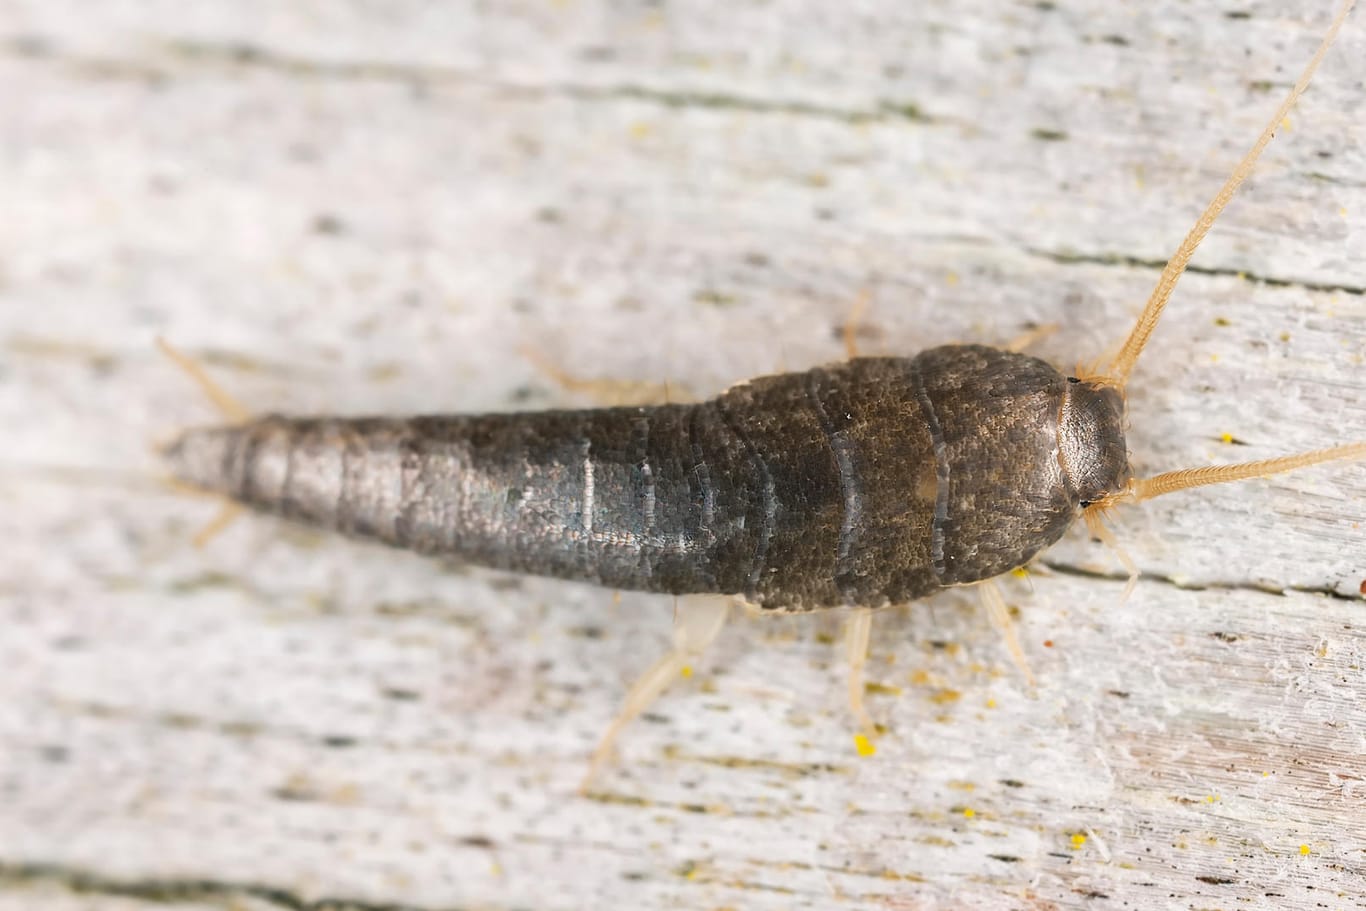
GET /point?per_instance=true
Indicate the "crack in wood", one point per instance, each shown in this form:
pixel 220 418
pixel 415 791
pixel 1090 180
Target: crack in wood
pixel 1139 262
pixel 251 56
pixel 1067 569
pixel 169 891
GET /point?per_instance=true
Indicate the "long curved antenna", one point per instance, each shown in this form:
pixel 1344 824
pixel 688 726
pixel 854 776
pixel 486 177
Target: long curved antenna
pixel 1118 371
pixel 1172 481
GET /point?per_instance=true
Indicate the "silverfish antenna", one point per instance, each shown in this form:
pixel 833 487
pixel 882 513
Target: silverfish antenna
pixel 1117 373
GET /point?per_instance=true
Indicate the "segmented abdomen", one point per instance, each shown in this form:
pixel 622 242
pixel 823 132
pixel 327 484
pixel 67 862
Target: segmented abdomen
pixel 797 491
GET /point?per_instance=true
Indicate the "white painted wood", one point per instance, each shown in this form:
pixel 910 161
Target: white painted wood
pixel 375 208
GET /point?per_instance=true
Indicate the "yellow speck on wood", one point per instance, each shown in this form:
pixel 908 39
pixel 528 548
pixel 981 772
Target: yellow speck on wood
pixel 969 812
pixel 991 703
pixel 640 129
pixel 1304 849
pixel 950 278
pixel 1078 839
pixel 944 697
pixel 1226 437
pixel 1211 798
pixel 685 671
pixel 864 745
pixel 881 689
pixel 920 678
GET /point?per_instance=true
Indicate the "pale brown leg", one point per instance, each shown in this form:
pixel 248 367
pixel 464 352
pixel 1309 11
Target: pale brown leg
pixel 1027 339
pixel 697 621
pixel 610 392
pixel 857 631
pixel 1095 524
pixel 232 409
pixel 852 323
pixel 995 604
pixel 227 514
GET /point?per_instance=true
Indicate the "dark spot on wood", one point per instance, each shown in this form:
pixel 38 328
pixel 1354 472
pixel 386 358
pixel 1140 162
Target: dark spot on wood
pixel 339 741
pixel 587 632
pixel 30 46
pixel 328 224
pixel 1048 135
pixel 54 753
pixel 293 794
pixel 1012 782
pixel 478 841
pixel 713 297
pixel 757 260
pixel 1005 858
pixel 399 695
pixel 906 110
pixel 1121 694
pixel 549 215
pixel 179 720
pixel 1216 880
pixel 1224 637
pixel 1116 40
pixel 1238 14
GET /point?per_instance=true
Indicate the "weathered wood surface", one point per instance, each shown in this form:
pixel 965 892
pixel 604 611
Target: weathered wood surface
pixel 376 208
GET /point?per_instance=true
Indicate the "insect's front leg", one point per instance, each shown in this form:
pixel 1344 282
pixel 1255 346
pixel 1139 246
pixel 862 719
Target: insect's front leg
pixel 697 621
pixel 995 603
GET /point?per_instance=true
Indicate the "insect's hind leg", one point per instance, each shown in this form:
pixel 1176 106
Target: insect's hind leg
pixel 232 409
pixel 697 621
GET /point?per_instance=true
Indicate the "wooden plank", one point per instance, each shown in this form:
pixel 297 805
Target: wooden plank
pixel 365 209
